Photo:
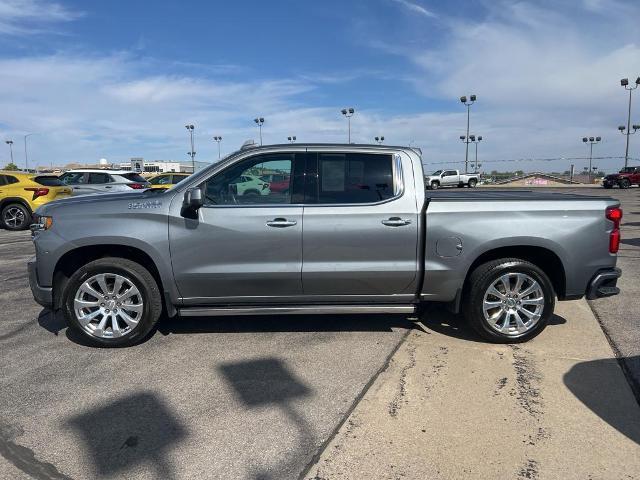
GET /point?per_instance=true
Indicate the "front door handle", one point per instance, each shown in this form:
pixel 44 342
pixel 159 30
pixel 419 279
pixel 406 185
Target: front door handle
pixel 396 222
pixel 108 186
pixel 281 223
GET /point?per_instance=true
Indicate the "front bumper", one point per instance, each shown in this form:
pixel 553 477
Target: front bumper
pixel 603 284
pixel 42 295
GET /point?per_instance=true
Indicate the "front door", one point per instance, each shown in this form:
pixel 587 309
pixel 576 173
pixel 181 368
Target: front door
pixel 246 244
pixel 360 228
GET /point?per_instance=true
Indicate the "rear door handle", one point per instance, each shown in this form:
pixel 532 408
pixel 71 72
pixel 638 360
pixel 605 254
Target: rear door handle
pixel 108 186
pixel 396 222
pixel 281 223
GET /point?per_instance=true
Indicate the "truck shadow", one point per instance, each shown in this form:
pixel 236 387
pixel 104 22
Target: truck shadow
pixel 285 323
pixel 441 320
pixel 597 384
pixel 631 241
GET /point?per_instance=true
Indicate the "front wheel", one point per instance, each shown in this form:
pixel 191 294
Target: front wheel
pixel 435 185
pixel 508 300
pixel 112 302
pixel 16 217
pixel 625 183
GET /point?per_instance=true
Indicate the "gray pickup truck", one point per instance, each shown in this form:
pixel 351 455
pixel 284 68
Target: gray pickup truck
pixel 353 231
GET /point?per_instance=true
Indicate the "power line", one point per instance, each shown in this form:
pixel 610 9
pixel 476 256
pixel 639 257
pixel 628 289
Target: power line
pixel 547 159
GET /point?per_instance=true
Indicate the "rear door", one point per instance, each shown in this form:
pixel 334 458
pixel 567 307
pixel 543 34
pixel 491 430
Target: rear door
pixel 100 182
pixel 360 227
pixel 450 177
pixel 242 248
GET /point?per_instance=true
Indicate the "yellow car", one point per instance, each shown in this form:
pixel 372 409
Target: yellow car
pixel 167 180
pixel 21 193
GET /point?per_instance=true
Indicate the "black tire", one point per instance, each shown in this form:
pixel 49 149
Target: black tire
pixel 16 216
pixel 607 186
pixel 625 183
pixel 435 185
pixel 483 277
pixel 472 183
pixel 139 276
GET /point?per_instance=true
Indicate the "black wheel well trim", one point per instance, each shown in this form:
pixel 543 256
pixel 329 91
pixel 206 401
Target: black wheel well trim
pixel 72 260
pixel 5 201
pixel 543 258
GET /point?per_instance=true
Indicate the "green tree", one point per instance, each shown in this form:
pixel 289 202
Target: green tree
pixel 11 167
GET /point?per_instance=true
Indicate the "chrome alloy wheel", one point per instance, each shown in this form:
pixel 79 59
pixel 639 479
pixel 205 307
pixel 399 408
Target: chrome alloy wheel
pixel 513 304
pixel 13 217
pixel 108 305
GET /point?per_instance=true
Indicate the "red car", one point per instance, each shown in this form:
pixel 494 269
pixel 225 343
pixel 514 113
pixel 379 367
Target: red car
pixel 624 179
pixel 278 182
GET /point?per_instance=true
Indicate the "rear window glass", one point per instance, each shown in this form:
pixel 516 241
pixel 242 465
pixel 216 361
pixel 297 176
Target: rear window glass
pixel 49 181
pixel 134 177
pixel 10 179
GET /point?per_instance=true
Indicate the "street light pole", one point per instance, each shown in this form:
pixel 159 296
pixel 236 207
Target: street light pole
pixel 192 153
pixel 592 141
pixel 218 139
pixel 348 112
pixel 379 140
pixel 259 121
pixel 10 143
pixel 26 157
pixel 292 139
pixel 625 83
pixel 463 99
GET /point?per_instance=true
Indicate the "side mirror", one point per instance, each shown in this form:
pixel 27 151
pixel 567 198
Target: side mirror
pixel 192 202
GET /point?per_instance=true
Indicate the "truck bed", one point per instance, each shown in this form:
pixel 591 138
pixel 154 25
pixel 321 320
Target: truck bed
pixel 501 194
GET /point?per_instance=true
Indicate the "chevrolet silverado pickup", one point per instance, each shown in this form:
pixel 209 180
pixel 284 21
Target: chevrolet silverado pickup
pixel 355 232
pixel 451 178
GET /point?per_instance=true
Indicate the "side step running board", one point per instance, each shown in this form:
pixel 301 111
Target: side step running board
pixel 295 310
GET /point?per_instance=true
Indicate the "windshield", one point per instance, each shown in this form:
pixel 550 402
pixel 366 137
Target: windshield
pixel 437 172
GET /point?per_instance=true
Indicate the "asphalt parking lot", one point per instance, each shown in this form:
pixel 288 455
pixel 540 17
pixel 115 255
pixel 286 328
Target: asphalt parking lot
pixel 254 398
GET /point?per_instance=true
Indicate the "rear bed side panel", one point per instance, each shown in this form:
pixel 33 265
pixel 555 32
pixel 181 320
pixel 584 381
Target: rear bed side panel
pixel 575 230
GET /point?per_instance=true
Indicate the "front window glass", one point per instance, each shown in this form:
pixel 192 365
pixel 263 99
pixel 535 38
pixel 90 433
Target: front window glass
pixel 436 173
pixel 99 178
pixel 161 180
pixel 247 183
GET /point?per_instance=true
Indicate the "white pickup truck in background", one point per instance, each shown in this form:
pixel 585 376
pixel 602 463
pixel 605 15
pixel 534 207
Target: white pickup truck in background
pixel 451 178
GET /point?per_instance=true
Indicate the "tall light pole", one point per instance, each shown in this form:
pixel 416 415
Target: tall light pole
pixel 192 153
pixel 348 112
pixel 379 140
pixel 218 140
pixel 26 156
pixel 292 139
pixel 476 141
pixel 259 121
pixel 463 99
pixel 625 83
pixel 591 141
pixel 10 143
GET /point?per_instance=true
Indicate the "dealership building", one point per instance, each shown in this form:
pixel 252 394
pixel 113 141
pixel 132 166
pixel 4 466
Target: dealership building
pixel 161 166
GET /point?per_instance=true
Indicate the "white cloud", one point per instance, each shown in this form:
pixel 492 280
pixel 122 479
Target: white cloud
pixel 416 8
pixel 20 17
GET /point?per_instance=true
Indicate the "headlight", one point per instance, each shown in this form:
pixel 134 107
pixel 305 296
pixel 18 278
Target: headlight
pixel 41 222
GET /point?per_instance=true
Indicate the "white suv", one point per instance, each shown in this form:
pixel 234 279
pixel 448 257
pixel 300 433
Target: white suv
pixel 87 181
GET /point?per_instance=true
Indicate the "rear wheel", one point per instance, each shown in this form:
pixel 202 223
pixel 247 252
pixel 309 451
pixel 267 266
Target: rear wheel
pixel 472 183
pixel 625 183
pixel 16 216
pixel 112 302
pixel 508 300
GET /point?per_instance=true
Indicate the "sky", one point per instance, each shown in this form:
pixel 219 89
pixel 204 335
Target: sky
pixel 120 79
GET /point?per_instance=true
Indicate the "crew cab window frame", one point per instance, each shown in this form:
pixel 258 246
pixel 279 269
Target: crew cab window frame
pixel 312 178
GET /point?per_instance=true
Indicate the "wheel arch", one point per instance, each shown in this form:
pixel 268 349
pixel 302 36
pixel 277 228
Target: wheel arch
pixel 544 258
pixel 6 201
pixel 72 260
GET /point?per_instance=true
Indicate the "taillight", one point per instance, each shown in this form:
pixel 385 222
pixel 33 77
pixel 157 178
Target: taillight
pixel 38 192
pixel 136 186
pixel 615 215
